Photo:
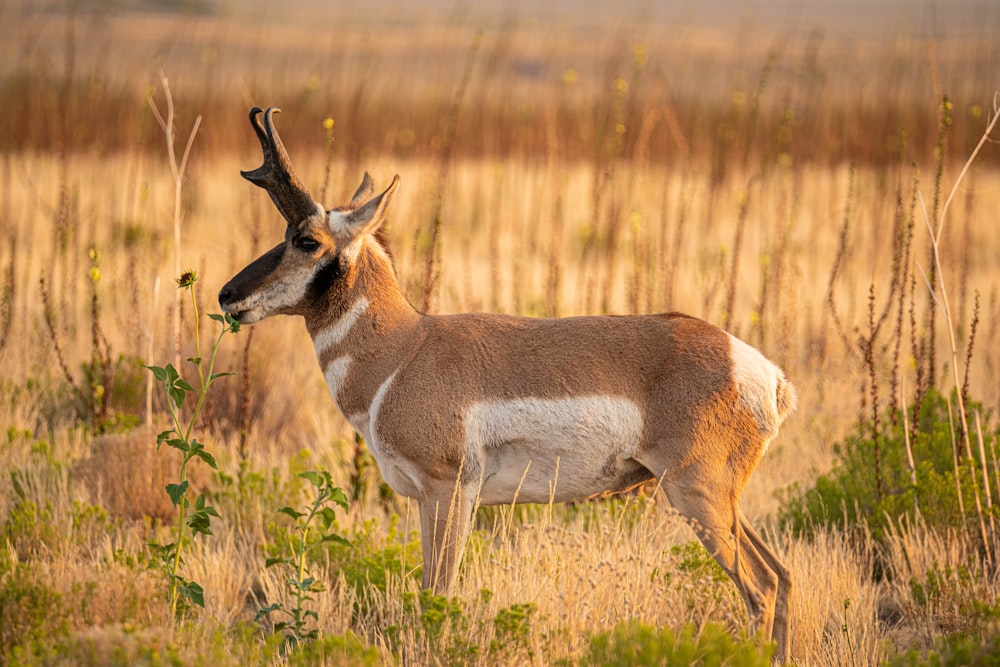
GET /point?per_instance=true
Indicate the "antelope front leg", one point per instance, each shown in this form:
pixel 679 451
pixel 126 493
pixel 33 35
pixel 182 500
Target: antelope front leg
pixel 444 525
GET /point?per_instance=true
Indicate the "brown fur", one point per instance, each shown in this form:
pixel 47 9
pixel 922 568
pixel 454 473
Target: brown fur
pixel 663 389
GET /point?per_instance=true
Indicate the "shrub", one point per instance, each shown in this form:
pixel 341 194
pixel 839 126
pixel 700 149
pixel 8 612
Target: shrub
pixel 979 646
pixel 850 492
pixel 30 610
pixel 635 643
pixel 438 622
pixel 376 555
pixel 126 645
pixel 346 650
pixel 512 630
pixel 30 527
pixel 446 629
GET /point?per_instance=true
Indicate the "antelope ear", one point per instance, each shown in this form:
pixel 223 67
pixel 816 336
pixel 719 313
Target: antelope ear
pixel 368 217
pixel 363 193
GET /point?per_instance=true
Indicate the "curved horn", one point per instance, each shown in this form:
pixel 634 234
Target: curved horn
pixel 276 174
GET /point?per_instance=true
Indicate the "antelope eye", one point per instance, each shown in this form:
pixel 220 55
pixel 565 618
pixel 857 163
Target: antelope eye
pixel 307 244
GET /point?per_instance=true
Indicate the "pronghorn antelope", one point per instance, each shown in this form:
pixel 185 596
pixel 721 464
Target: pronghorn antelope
pixel 493 409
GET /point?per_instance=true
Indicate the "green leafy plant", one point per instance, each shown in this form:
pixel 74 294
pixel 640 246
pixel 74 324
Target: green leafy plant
pixel 377 555
pixel 849 492
pixel 977 645
pixel 347 650
pixel 30 609
pixel 512 630
pixel 451 632
pixel 192 519
pixel 635 643
pixel 439 622
pixel 313 527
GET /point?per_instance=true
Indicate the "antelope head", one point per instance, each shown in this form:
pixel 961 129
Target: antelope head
pixel 320 247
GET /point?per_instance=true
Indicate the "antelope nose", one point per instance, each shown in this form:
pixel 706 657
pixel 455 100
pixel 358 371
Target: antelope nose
pixel 225 296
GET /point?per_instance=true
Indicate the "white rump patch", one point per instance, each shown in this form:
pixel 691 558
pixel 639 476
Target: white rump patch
pixel 756 381
pixel 335 333
pixel 576 444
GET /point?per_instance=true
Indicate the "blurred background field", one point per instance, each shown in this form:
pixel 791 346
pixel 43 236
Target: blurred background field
pixel 769 167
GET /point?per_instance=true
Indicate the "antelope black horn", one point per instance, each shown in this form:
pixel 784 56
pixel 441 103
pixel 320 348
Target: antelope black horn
pixel 276 174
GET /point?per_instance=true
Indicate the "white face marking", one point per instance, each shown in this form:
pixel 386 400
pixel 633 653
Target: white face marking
pixel 335 374
pixel 337 222
pixel 585 438
pixel 279 295
pixel 756 381
pixel 346 235
pixel 334 334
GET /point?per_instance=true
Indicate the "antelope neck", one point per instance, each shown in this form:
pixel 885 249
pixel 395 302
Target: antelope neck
pixel 373 304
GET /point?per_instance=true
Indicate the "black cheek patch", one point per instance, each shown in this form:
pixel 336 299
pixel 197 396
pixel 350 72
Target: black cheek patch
pixel 325 279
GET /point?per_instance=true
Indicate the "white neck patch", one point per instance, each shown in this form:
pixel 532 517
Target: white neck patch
pixel 334 334
pixel 336 374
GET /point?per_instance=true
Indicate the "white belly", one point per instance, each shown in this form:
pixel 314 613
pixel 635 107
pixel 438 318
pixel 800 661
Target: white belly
pixel 536 450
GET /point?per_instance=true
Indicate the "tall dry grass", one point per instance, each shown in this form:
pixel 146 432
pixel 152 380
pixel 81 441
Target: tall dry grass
pixel 759 180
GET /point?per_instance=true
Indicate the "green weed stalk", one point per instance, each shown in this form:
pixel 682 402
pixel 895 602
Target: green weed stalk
pixel 191 519
pixel 312 529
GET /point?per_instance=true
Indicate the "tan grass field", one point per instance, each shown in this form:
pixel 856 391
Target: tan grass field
pixel 755 174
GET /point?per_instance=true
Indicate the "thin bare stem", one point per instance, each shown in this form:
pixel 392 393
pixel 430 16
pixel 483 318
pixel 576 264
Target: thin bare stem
pixel 949 324
pixel 935 235
pixel 991 544
pixel 177 170
pixel 727 316
pixel 53 336
pixel 837 261
pixel 965 168
pixel 955 460
pixel 432 268
pixel 148 332
pixel 907 441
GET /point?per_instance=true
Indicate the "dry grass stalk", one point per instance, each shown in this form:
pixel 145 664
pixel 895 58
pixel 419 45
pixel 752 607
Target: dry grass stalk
pixel 177 170
pixel 993 542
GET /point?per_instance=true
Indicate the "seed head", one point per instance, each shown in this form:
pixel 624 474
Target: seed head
pixel 187 279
